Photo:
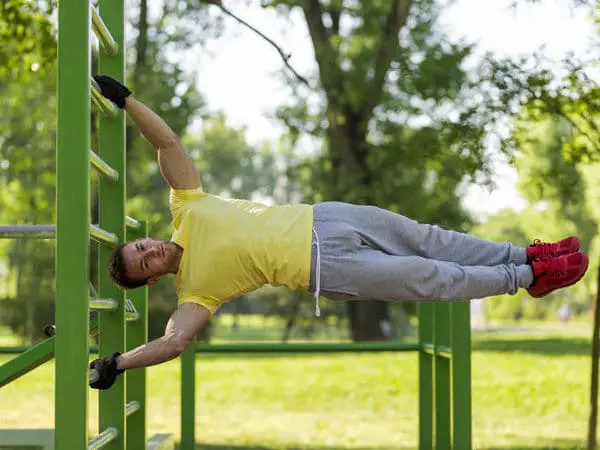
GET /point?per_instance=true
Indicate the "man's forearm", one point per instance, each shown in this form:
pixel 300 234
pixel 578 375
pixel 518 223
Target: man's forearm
pixel 149 123
pixel 155 352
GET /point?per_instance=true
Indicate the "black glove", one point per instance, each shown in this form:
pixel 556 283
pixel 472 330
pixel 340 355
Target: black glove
pixel 113 89
pixel 104 372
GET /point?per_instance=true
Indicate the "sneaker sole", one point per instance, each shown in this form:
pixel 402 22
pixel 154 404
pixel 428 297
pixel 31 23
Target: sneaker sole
pixel 543 294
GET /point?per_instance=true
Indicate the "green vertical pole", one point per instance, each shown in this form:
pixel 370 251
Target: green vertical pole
pixel 111 146
pixel 137 334
pixel 461 375
pixel 426 323
pixel 442 377
pixel 188 390
pixel 73 206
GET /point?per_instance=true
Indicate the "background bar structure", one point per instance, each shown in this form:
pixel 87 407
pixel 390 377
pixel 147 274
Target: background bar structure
pixel 111 201
pixel 73 205
pixel 137 334
pixel 445 376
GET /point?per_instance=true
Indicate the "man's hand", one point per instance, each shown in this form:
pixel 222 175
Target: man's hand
pixel 113 89
pixel 104 372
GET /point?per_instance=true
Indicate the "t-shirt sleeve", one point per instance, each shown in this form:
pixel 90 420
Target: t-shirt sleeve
pixel 180 198
pixel 210 303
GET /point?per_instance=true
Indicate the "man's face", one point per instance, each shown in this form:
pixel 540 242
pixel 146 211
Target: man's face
pixel 148 258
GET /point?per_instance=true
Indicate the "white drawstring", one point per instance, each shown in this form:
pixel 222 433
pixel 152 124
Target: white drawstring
pixel 317 275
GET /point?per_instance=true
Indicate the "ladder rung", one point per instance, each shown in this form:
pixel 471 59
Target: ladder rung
pixel 103 438
pixel 103 34
pixel 105 106
pixel 100 165
pixel 103 304
pixel 100 235
pixel 132 223
pixel 131 408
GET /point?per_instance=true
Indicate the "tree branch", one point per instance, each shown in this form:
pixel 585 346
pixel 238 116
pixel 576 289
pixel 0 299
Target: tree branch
pixel 284 56
pixel 387 46
pixel 325 54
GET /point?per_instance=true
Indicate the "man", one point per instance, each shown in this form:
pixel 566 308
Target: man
pixel 223 248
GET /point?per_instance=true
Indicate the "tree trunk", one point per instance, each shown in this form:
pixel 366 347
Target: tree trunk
pixel 348 151
pixel 366 318
pixel 594 382
pixel 289 326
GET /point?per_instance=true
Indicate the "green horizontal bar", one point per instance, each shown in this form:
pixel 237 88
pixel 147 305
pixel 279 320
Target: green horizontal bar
pixel 103 304
pixel 49 232
pixel 104 105
pixel 103 34
pixel 27 231
pixel 30 357
pixel 99 164
pixel 308 347
pixel 132 223
pixel 284 348
pixel 100 235
pixel 103 438
pixel 131 408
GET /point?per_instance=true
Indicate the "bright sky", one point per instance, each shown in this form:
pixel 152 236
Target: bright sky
pixel 242 76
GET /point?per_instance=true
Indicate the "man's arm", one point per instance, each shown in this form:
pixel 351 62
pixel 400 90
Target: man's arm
pixel 182 328
pixel 176 166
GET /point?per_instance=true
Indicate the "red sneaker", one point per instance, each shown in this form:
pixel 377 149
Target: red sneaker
pixel 558 272
pixel 541 250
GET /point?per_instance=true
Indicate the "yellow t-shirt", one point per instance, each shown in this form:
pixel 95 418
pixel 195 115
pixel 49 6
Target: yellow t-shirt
pixel 231 247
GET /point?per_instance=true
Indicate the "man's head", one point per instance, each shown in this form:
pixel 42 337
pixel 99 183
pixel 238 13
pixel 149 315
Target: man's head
pixel 142 262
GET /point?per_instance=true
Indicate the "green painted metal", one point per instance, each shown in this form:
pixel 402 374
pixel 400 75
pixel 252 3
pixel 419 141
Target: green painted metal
pixel 137 334
pixel 103 304
pixel 27 361
pixel 101 166
pixel 27 439
pixel 461 380
pixel 73 206
pixel 130 222
pixel 111 202
pixel 308 347
pixel 442 402
pixel 426 366
pixel 188 399
pixel 103 236
pixel 30 357
pixel 103 34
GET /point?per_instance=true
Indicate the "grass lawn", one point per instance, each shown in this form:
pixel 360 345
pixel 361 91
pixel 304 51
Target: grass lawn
pixel 530 391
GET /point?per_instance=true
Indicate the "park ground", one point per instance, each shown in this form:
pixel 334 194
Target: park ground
pixel 530 391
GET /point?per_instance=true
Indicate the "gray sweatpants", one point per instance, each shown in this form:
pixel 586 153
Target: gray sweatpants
pixel 371 253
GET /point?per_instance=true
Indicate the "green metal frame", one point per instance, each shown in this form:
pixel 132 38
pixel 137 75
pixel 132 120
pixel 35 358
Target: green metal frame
pixel 122 323
pixel 444 328
pixel 444 376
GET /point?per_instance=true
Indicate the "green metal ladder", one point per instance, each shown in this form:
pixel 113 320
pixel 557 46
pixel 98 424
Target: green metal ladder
pixel 122 323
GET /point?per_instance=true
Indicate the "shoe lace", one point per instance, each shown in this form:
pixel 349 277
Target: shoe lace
pixel 556 267
pixel 543 249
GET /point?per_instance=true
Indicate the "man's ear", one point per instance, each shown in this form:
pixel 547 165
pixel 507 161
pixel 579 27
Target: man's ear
pixel 152 281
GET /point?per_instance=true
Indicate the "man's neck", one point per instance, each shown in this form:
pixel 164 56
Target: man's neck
pixel 177 258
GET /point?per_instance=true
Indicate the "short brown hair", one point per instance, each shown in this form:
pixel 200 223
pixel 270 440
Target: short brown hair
pixel 118 272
